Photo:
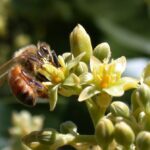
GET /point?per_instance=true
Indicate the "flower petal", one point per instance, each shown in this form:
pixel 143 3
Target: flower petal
pixel 120 65
pixel 128 83
pixel 67 57
pixel 71 80
pixel 85 78
pixel 115 91
pixel 87 93
pixel 75 61
pixel 146 75
pixel 94 63
pixel 53 96
pixel 121 85
pixel 147 81
pixel 146 72
pixel 61 61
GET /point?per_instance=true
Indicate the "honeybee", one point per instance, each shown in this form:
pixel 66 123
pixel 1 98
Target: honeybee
pixel 25 82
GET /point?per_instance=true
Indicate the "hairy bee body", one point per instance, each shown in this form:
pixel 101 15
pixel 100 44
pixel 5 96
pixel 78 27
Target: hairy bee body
pixel 20 86
pixel 23 79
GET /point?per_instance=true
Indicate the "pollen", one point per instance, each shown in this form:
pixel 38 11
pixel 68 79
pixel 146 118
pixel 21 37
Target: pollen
pixel 105 81
pixel 56 79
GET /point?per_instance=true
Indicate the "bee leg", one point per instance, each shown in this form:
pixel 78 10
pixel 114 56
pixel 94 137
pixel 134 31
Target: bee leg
pixel 38 87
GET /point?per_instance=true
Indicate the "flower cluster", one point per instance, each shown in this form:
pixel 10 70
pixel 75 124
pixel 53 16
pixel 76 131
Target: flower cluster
pixel 95 77
pixel 22 124
pixel 85 71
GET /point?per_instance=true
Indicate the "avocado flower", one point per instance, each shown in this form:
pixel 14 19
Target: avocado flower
pixel 107 79
pixel 61 79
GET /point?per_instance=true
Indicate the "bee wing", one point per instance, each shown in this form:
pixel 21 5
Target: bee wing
pixel 4 69
pixel 23 52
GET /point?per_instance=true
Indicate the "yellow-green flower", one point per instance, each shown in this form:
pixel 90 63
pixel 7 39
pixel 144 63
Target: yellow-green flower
pixel 61 79
pixel 54 74
pixel 107 78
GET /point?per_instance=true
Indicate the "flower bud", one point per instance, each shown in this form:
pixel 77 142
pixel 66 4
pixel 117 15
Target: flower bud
pixel 68 127
pixel 104 132
pixel 143 140
pixel 119 109
pixel 142 96
pixel 47 137
pixel 135 107
pixel 40 139
pixel 80 42
pixel 146 74
pixel 146 122
pixel 124 135
pixel 102 52
pixel 81 68
pixel 141 117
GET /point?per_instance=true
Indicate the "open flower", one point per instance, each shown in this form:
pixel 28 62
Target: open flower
pixel 107 78
pixel 61 79
pixel 24 123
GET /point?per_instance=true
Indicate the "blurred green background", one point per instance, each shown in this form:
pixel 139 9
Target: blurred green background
pixel 125 25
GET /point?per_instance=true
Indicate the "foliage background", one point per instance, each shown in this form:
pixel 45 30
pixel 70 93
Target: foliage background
pixel 125 25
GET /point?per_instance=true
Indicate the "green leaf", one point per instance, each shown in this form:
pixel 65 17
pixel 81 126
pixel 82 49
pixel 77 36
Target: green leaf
pixel 75 61
pixel 53 96
pixel 87 93
pixel 71 80
pixel 121 35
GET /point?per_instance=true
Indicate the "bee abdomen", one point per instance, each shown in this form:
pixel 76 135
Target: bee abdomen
pixel 18 83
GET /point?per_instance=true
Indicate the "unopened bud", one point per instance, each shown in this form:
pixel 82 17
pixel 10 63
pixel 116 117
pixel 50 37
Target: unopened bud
pixel 47 136
pixel 142 95
pixel 146 74
pixel 68 127
pixel 119 109
pixel 143 140
pixel 81 68
pixel 141 117
pixel 102 51
pixel 80 42
pixel 146 122
pixel 124 135
pixel 104 132
pixel 135 107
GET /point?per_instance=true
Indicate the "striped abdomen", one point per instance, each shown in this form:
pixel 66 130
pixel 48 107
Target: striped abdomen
pixel 21 87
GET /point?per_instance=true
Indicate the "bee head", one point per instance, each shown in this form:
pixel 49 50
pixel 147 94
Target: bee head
pixel 43 51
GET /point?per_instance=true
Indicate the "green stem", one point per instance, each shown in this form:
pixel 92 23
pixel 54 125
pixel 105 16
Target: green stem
pixel 90 139
pixel 53 140
pixel 96 113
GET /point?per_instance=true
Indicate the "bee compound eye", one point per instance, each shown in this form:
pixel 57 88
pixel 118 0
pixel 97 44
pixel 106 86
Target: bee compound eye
pixel 43 51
